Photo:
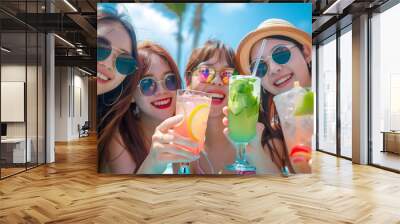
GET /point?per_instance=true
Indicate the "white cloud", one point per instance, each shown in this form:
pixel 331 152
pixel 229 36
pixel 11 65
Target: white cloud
pixel 231 7
pixel 151 24
pixel 304 25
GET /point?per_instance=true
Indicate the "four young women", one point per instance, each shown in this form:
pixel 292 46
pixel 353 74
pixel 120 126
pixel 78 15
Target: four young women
pixel 137 95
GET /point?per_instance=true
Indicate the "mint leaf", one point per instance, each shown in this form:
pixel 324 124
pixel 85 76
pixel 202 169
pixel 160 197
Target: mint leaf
pixel 241 97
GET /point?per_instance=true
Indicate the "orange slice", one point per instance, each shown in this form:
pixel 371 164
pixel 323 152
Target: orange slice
pixel 197 121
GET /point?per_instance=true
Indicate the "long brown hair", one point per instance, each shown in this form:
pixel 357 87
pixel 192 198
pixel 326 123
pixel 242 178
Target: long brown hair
pixel 123 112
pixel 147 48
pixel 269 117
pixel 110 117
pixel 206 52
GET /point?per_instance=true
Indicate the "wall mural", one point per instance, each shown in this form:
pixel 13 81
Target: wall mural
pixel 204 88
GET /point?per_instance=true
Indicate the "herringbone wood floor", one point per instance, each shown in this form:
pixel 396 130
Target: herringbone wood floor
pixel 70 191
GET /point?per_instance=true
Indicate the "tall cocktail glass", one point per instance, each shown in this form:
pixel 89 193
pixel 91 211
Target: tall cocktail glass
pixel 296 114
pixel 243 104
pixel 195 107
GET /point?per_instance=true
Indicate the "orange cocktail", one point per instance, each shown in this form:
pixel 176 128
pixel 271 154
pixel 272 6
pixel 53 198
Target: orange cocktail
pixel 195 107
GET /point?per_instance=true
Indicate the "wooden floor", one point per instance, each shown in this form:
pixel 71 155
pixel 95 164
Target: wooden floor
pixel 10 171
pixel 387 159
pixel 70 191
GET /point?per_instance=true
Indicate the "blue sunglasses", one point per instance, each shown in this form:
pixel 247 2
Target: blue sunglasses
pixel 281 55
pixel 124 63
pixel 149 85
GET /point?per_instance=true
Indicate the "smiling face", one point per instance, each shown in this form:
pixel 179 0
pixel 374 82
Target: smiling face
pixel 218 90
pixel 161 104
pixel 114 32
pixel 281 77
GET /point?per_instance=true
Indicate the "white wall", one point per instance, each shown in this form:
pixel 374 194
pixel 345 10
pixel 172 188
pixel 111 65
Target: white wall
pixel 81 100
pixel 61 103
pixel 16 73
pixel 69 85
pixel 33 127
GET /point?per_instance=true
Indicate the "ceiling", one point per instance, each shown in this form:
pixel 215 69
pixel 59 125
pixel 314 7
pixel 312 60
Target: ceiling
pixel 330 15
pixel 72 20
pixel 75 22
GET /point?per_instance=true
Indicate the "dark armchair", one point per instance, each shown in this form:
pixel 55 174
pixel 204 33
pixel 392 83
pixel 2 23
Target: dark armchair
pixel 84 129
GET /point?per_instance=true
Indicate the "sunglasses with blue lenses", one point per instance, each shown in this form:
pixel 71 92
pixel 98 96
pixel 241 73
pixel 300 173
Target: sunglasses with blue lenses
pixel 148 85
pixel 124 63
pixel 281 55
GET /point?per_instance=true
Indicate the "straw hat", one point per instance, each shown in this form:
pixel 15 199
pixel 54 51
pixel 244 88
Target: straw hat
pixel 270 27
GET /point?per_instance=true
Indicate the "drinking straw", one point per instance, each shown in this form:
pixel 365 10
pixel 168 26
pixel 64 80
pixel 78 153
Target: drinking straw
pixel 260 51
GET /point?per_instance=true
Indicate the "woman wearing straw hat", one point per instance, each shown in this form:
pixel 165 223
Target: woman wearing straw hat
pixel 285 58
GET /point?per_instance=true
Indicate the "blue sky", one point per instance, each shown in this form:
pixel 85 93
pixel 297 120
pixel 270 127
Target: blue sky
pixel 228 22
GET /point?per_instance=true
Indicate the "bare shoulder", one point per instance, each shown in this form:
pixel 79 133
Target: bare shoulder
pixel 118 158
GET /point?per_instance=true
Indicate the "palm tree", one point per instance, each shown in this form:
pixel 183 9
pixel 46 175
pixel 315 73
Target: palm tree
pixel 179 10
pixel 197 23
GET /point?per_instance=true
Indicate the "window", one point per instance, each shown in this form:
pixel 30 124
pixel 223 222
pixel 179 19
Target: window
pixel 22 74
pixel 327 95
pixel 385 89
pixel 346 92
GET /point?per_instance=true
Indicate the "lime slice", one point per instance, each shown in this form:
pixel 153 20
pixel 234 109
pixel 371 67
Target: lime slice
pixel 197 121
pixel 306 107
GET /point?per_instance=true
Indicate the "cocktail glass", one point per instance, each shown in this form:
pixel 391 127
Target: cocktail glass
pixel 195 107
pixel 295 109
pixel 243 104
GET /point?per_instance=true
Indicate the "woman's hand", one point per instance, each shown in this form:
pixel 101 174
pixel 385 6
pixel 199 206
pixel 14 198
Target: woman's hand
pixel 165 148
pixel 255 154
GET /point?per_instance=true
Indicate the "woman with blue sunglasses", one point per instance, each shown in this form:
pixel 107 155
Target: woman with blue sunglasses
pixel 155 100
pixel 116 68
pixel 143 142
pixel 116 53
pixel 286 58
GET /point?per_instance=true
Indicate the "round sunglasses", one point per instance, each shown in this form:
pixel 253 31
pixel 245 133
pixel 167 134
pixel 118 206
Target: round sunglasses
pixel 207 74
pixel 281 55
pixel 148 85
pixel 124 63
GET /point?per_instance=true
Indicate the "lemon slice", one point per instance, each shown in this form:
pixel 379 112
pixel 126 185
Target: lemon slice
pixel 197 121
pixel 306 106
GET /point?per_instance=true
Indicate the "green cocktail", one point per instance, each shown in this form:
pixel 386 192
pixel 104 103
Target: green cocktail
pixel 243 104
